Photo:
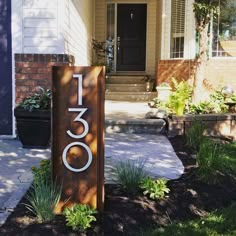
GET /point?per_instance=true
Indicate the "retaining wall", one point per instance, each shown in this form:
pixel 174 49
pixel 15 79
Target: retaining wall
pixel 219 125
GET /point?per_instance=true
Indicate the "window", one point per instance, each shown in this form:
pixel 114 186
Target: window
pixel 177 28
pixel 224 30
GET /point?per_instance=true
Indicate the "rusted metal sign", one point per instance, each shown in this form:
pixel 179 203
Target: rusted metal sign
pixel 77 134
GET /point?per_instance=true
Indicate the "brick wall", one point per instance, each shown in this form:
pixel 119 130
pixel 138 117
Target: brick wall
pixel 179 69
pixel 32 70
pixel 219 71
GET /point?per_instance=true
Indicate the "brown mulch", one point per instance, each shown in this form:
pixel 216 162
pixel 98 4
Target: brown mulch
pixel 125 215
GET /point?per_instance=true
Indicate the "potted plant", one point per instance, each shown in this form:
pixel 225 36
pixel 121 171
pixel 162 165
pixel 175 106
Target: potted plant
pixel 33 119
pixel 163 91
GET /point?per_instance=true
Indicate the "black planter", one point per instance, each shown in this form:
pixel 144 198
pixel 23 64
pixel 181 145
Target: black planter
pixel 33 128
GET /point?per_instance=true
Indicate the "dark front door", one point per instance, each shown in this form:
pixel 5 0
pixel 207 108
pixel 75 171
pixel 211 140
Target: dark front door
pixel 5 68
pixel 131 37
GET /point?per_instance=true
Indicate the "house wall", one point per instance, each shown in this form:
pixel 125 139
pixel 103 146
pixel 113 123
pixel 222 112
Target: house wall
pixel 54 27
pixel 178 69
pixel 78 30
pixel 152 5
pixel 40 26
pixel 219 72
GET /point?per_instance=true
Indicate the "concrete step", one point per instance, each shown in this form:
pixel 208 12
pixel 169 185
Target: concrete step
pixel 125 79
pixel 126 87
pixel 135 126
pixel 130 96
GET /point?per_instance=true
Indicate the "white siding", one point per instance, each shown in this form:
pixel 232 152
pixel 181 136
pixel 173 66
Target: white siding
pixel 41 26
pixel 78 30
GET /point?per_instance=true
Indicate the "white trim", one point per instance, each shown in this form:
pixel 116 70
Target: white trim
pixel 17 47
pixel 189 31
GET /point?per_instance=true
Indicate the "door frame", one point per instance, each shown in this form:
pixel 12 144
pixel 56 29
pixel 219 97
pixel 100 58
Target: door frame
pixel 115 32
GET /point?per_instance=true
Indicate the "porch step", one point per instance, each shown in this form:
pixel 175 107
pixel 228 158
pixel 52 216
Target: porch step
pixel 135 126
pixel 130 96
pixel 125 87
pixel 125 79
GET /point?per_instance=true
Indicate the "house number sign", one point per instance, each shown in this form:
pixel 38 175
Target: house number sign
pixel 78 118
pixel 77 135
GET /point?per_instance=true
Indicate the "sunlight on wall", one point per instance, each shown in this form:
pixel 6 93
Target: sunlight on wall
pixel 78 29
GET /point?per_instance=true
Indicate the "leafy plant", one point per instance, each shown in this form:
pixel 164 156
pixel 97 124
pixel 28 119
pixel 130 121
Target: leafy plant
pixel 39 100
pixel 200 108
pixel 156 189
pixel 43 196
pixel 79 217
pixel 210 163
pixel 194 134
pixel 43 172
pixel 129 175
pixel 179 97
pixel 216 104
pixel 217 100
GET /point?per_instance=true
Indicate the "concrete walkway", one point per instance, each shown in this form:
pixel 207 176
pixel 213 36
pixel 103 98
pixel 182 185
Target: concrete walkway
pixel 154 151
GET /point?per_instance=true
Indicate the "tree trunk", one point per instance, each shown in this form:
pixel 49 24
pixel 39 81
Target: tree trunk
pixel 201 61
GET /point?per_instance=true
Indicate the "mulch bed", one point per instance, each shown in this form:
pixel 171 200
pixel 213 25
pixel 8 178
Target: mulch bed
pixel 189 198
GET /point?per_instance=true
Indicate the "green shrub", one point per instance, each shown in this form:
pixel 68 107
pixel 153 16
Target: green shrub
pixel 43 197
pixel 156 189
pixel 201 108
pixel 210 163
pixel 180 96
pixel 216 104
pixel 79 217
pixel 194 135
pixel 43 172
pixel 129 175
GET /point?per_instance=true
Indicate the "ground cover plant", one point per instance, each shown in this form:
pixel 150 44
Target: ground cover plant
pixel 192 204
pixel 79 217
pixel 180 101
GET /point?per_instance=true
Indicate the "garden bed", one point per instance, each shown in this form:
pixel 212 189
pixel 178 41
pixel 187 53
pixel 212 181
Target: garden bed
pixel 189 198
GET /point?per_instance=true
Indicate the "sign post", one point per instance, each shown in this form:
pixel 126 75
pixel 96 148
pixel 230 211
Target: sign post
pixel 77 135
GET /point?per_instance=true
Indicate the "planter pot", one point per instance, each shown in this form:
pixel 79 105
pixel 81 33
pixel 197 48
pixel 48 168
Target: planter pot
pixel 163 93
pixel 33 128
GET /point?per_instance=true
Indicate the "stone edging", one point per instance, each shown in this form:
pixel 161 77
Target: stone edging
pixel 217 124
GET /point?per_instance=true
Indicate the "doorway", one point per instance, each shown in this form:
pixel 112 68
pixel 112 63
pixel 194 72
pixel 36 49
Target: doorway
pixel 131 37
